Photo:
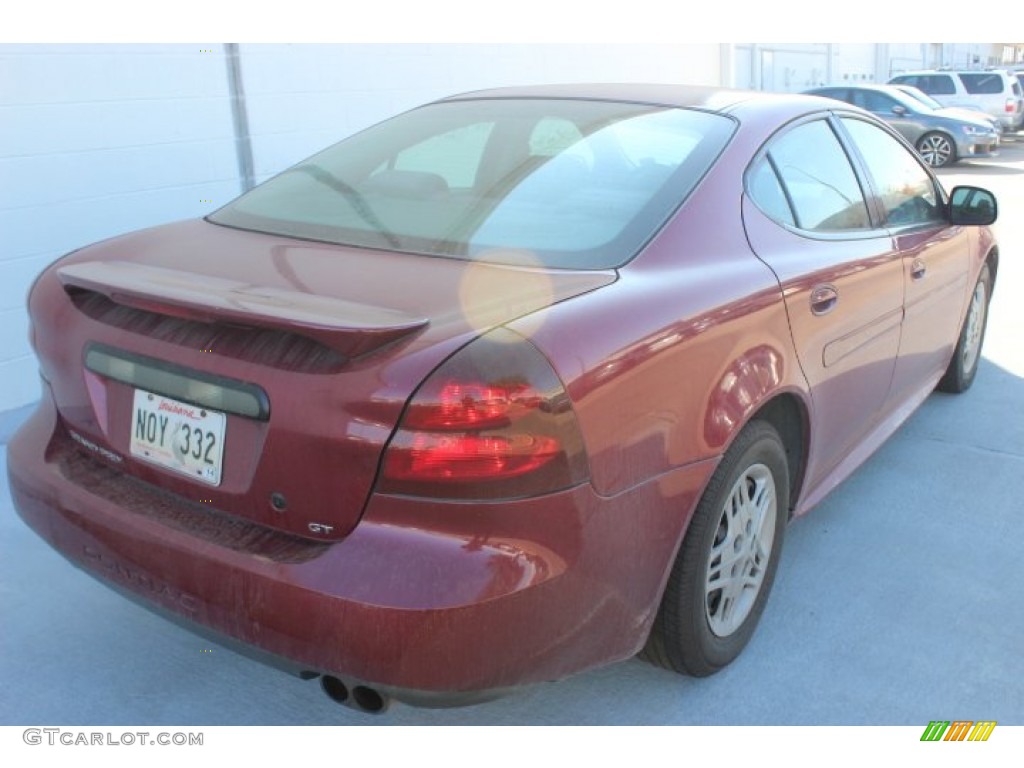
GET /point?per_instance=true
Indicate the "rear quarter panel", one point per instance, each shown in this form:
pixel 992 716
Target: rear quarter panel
pixel 665 366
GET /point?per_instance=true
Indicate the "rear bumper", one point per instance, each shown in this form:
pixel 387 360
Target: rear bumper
pixel 432 603
pixel 1011 123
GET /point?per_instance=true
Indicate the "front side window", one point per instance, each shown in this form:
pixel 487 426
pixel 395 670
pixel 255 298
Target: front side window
pixel 819 179
pixel 938 84
pixel 873 101
pixel 566 183
pixel 906 190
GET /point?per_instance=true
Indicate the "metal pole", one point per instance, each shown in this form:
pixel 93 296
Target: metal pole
pixel 239 117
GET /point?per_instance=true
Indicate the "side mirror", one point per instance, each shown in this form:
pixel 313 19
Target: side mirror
pixel 900 110
pixel 972 205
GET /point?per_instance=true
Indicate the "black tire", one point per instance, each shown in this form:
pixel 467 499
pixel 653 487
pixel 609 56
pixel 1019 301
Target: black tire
pixel 699 629
pixel 963 366
pixel 937 149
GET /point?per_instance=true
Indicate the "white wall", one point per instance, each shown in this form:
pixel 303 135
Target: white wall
pixel 798 66
pixel 968 55
pixel 102 139
pixel 855 63
pixel 787 68
pixel 909 56
pixel 95 141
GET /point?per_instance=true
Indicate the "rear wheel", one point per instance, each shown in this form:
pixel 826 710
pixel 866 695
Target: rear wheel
pixel 964 365
pixel 937 149
pixel 726 565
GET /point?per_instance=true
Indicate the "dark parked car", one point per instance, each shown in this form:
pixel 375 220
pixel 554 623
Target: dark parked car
pixel 940 137
pixel 513 385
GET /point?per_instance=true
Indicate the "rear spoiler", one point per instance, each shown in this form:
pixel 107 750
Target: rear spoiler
pixel 348 327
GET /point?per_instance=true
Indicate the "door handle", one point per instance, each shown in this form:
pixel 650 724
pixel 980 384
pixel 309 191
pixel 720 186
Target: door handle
pixel 823 299
pixel 917 269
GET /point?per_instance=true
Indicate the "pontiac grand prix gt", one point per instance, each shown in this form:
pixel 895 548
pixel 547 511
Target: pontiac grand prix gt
pixel 510 386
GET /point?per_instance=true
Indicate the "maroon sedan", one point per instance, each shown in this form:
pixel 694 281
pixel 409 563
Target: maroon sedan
pixel 513 385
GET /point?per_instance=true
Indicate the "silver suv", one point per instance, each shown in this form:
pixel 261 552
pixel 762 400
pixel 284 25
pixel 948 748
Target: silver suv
pixel 995 92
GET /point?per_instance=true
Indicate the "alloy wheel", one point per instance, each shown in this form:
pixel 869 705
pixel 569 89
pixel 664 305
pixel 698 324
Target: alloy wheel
pixel 936 150
pixel 741 550
pixel 975 325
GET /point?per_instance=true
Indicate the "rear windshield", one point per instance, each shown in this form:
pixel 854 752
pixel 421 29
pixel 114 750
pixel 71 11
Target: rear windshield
pixel 564 183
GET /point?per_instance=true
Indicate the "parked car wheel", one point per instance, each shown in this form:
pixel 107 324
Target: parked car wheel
pixel 964 366
pixel 726 565
pixel 937 149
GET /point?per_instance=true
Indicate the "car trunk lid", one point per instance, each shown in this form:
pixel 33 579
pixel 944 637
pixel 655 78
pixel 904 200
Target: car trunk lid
pixel 294 360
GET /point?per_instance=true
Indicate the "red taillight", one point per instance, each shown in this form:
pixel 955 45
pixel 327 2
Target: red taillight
pixel 1011 105
pixel 461 405
pixel 492 422
pixel 462 458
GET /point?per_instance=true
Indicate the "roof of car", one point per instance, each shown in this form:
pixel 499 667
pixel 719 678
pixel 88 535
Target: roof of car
pixel 702 97
pixel 881 88
pixel 953 71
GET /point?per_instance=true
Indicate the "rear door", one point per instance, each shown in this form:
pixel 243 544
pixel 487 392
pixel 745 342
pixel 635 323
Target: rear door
pixel 807 218
pixel 935 255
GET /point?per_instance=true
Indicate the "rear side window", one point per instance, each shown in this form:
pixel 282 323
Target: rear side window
pixel 873 101
pixel 819 180
pixel 941 85
pixel 766 191
pixel 982 82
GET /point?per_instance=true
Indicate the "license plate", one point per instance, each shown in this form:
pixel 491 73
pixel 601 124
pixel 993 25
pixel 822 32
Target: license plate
pixel 180 436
